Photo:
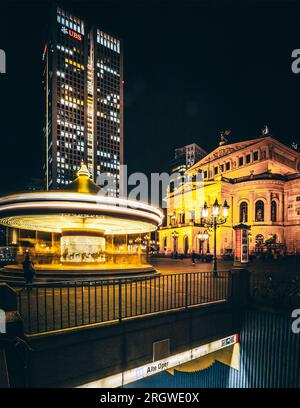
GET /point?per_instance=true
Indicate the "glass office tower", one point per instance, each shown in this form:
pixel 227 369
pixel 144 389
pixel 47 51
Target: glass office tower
pixel 83 82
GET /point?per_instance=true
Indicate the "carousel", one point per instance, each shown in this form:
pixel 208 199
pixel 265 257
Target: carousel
pixel 79 232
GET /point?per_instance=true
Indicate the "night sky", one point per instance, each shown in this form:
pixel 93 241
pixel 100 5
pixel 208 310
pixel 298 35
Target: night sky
pixel 192 68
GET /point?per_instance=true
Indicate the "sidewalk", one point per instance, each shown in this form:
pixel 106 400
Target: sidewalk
pixel 169 265
pixel 280 269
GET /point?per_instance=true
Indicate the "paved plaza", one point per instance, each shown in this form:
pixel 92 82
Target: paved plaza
pixel 179 284
pixel 284 268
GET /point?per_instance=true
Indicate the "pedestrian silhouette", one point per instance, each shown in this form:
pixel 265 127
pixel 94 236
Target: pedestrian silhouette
pixel 193 257
pixel 28 269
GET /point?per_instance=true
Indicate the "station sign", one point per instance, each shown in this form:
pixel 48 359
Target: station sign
pixel 156 367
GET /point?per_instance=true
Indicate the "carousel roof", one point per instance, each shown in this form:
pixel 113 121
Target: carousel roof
pixel 80 206
pixel 83 182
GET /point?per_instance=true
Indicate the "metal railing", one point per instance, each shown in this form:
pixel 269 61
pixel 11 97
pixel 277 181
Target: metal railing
pixel 57 306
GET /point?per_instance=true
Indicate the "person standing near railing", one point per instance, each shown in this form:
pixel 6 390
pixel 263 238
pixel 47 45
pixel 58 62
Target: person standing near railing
pixel 28 269
pixel 193 257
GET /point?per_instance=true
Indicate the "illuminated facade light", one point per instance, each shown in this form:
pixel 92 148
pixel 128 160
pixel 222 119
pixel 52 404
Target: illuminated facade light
pixel 205 211
pixel 215 208
pixel 225 209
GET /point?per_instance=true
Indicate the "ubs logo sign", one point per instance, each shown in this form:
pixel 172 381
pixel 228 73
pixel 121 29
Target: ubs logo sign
pixel 71 33
pixel 2 62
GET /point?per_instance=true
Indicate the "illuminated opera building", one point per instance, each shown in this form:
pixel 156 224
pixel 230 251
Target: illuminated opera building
pixel 260 181
pixel 83 84
pixel 79 229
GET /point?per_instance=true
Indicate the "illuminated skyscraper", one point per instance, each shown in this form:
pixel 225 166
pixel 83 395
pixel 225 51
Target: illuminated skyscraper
pixel 186 157
pixel 83 81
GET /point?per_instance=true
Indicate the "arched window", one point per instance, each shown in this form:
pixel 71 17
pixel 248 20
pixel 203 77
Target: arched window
pixel 259 211
pixel 200 246
pixel 273 211
pixel 165 242
pixel 192 216
pixel 181 217
pixel 174 219
pixel 186 245
pixel 175 243
pixel 244 212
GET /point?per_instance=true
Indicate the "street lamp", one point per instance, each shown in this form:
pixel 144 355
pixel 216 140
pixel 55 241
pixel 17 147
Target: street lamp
pixel 218 216
pixel 175 235
pixel 202 236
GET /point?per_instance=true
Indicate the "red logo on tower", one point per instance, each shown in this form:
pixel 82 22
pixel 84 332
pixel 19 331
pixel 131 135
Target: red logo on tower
pixel 71 33
pixel 75 35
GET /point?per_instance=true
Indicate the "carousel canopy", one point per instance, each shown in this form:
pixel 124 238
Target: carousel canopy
pixel 80 206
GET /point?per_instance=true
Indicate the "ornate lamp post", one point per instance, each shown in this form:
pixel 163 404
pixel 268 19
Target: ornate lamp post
pixel 212 219
pixel 175 235
pixel 202 236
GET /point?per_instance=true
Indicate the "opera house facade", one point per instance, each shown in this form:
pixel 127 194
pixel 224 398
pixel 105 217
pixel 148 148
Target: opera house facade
pixel 260 181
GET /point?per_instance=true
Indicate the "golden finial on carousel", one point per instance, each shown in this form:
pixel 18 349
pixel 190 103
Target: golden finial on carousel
pixel 83 182
pixel 83 171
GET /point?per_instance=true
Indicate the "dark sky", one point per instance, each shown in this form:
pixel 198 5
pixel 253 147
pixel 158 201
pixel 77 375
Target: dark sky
pixel 192 68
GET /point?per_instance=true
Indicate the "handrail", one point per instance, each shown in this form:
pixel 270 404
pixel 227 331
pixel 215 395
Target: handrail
pixel 63 305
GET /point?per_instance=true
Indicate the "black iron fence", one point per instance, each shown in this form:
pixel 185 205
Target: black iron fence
pixel 59 306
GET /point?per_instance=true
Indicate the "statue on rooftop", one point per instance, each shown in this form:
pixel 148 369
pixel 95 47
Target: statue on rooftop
pixel 265 131
pixel 224 137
